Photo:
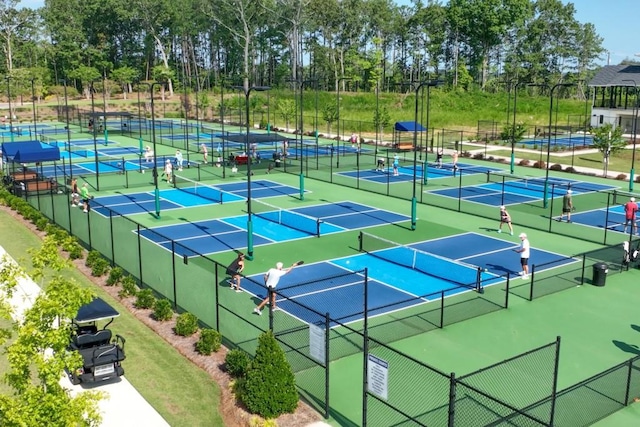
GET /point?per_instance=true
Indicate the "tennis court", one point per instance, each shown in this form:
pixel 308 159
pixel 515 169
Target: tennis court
pixel 405 173
pixel 270 225
pixel 503 189
pixel 402 276
pixel 612 219
pixel 565 141
pixel 188 193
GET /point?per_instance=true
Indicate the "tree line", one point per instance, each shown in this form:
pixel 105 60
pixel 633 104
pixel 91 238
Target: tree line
pixel 363 45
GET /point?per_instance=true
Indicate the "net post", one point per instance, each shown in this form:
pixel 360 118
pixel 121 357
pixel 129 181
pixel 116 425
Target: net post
pixel 479 287
pixel 488 176
pixel 360 238
pixel 319 221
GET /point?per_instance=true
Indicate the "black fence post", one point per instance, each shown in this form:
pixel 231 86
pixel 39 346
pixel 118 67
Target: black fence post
pixel 555 382
pixel 452 399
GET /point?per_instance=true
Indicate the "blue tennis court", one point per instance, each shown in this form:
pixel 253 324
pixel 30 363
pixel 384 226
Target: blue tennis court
pixel 188 194
pixel 574 140
pixel 222 235
pixel 405 173
pixel 519 190
pixel 613 219
pixel 393 285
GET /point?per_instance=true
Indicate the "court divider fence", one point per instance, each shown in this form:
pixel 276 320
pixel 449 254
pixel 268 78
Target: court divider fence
pixel 454 190
pixel 196 283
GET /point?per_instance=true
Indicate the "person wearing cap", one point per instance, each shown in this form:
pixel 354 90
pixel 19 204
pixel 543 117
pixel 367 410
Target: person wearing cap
pixel 168 170
pixel 271 279
pixel 630 210
pixel 524 250
pixel 567 206
pixel 505 218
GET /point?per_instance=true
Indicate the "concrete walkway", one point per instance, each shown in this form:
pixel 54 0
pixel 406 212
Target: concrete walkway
pixel 123 406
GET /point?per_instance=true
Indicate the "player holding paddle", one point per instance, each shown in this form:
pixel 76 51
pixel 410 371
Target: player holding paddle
pixel 271 279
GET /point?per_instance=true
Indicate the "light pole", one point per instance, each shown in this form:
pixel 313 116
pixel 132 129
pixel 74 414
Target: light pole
pixel 66 109
pixel 33 103
pixel 546 177
pixel 140 118
pixel 8 78
pixel 513 135
pixel 155 153
pixel 414 201
pixel 95 142
pixel 340 80
pixel 247 92
pixel 635 122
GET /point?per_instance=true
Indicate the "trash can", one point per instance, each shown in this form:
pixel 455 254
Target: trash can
pixel 600 271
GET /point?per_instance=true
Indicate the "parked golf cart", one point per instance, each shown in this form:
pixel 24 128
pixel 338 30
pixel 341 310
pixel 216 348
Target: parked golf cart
pixel 101 353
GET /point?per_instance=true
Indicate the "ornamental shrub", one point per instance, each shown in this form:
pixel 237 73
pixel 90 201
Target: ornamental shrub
pixel 269 389
pixel 621 177
pixel 144 299
pixel 524 162
pixel 237 363
pixel 210 341
pixel 115 276
pixel 162 310
pixel 556 167
pixel 99 267
pixel 92 257
pixel 129 287
pixel 186 325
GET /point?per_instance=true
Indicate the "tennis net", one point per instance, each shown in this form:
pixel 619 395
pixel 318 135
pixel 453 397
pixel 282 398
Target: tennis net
pixel 466 275
pixel 535 183
pixel 199 189
pixel 294 220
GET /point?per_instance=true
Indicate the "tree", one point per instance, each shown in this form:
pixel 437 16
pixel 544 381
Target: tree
pixel 124 76
pixel 381 119
pixel 269 388
pixel 287 110
pixel 38 355
pixel 608 140
pixel 330 114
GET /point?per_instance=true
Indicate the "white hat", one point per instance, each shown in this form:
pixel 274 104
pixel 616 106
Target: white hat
pixel 523 235
pixel 633 199
pixel 502 208
pixel 568 191
pixel 279 265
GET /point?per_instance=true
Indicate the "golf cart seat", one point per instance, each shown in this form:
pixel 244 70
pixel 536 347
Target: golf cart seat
pixel 97 339
pixel 103 354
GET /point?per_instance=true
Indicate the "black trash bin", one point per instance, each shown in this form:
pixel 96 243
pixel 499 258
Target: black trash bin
pixel 600 271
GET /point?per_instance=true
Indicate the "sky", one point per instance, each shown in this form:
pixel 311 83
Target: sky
pixel 613 20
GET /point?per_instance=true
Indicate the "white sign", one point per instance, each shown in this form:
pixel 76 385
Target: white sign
pixel 317 343
pixel 377 376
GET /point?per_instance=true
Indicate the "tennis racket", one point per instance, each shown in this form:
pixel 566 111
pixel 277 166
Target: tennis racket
pixel 298 263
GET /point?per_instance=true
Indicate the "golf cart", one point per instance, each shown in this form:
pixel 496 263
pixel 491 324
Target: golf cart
pixel 101 353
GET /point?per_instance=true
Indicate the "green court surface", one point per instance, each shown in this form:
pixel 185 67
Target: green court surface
pixel 599 326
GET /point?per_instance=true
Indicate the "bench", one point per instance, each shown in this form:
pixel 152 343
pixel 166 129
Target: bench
pixel 404 146
pixel 24 176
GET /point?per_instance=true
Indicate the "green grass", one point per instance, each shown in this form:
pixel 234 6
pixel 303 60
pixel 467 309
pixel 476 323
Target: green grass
pixel 181 392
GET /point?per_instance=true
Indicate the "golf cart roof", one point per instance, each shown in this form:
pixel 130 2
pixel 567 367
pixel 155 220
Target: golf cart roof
pixel 96 310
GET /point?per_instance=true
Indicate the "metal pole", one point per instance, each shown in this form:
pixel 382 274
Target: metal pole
pixel 66 107
pixel 95 142
pixel 33 102
pixel 340 80
pixel 8 78
pixel 635 123
pixel 155 153
pixel 415 152
pixel 546 178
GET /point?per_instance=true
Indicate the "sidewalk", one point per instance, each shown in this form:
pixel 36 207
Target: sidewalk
pixel 123 406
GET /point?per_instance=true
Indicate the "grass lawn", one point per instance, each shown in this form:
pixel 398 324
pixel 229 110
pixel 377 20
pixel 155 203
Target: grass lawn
pixel 181 392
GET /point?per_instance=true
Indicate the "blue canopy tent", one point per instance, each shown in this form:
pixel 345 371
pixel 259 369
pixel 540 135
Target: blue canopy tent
pixel 29 152
pixel 403 135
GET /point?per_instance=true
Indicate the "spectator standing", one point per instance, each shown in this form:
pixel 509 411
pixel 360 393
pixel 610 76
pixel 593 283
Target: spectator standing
pixel 75 193
pixel 396 163
pixel 205 153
